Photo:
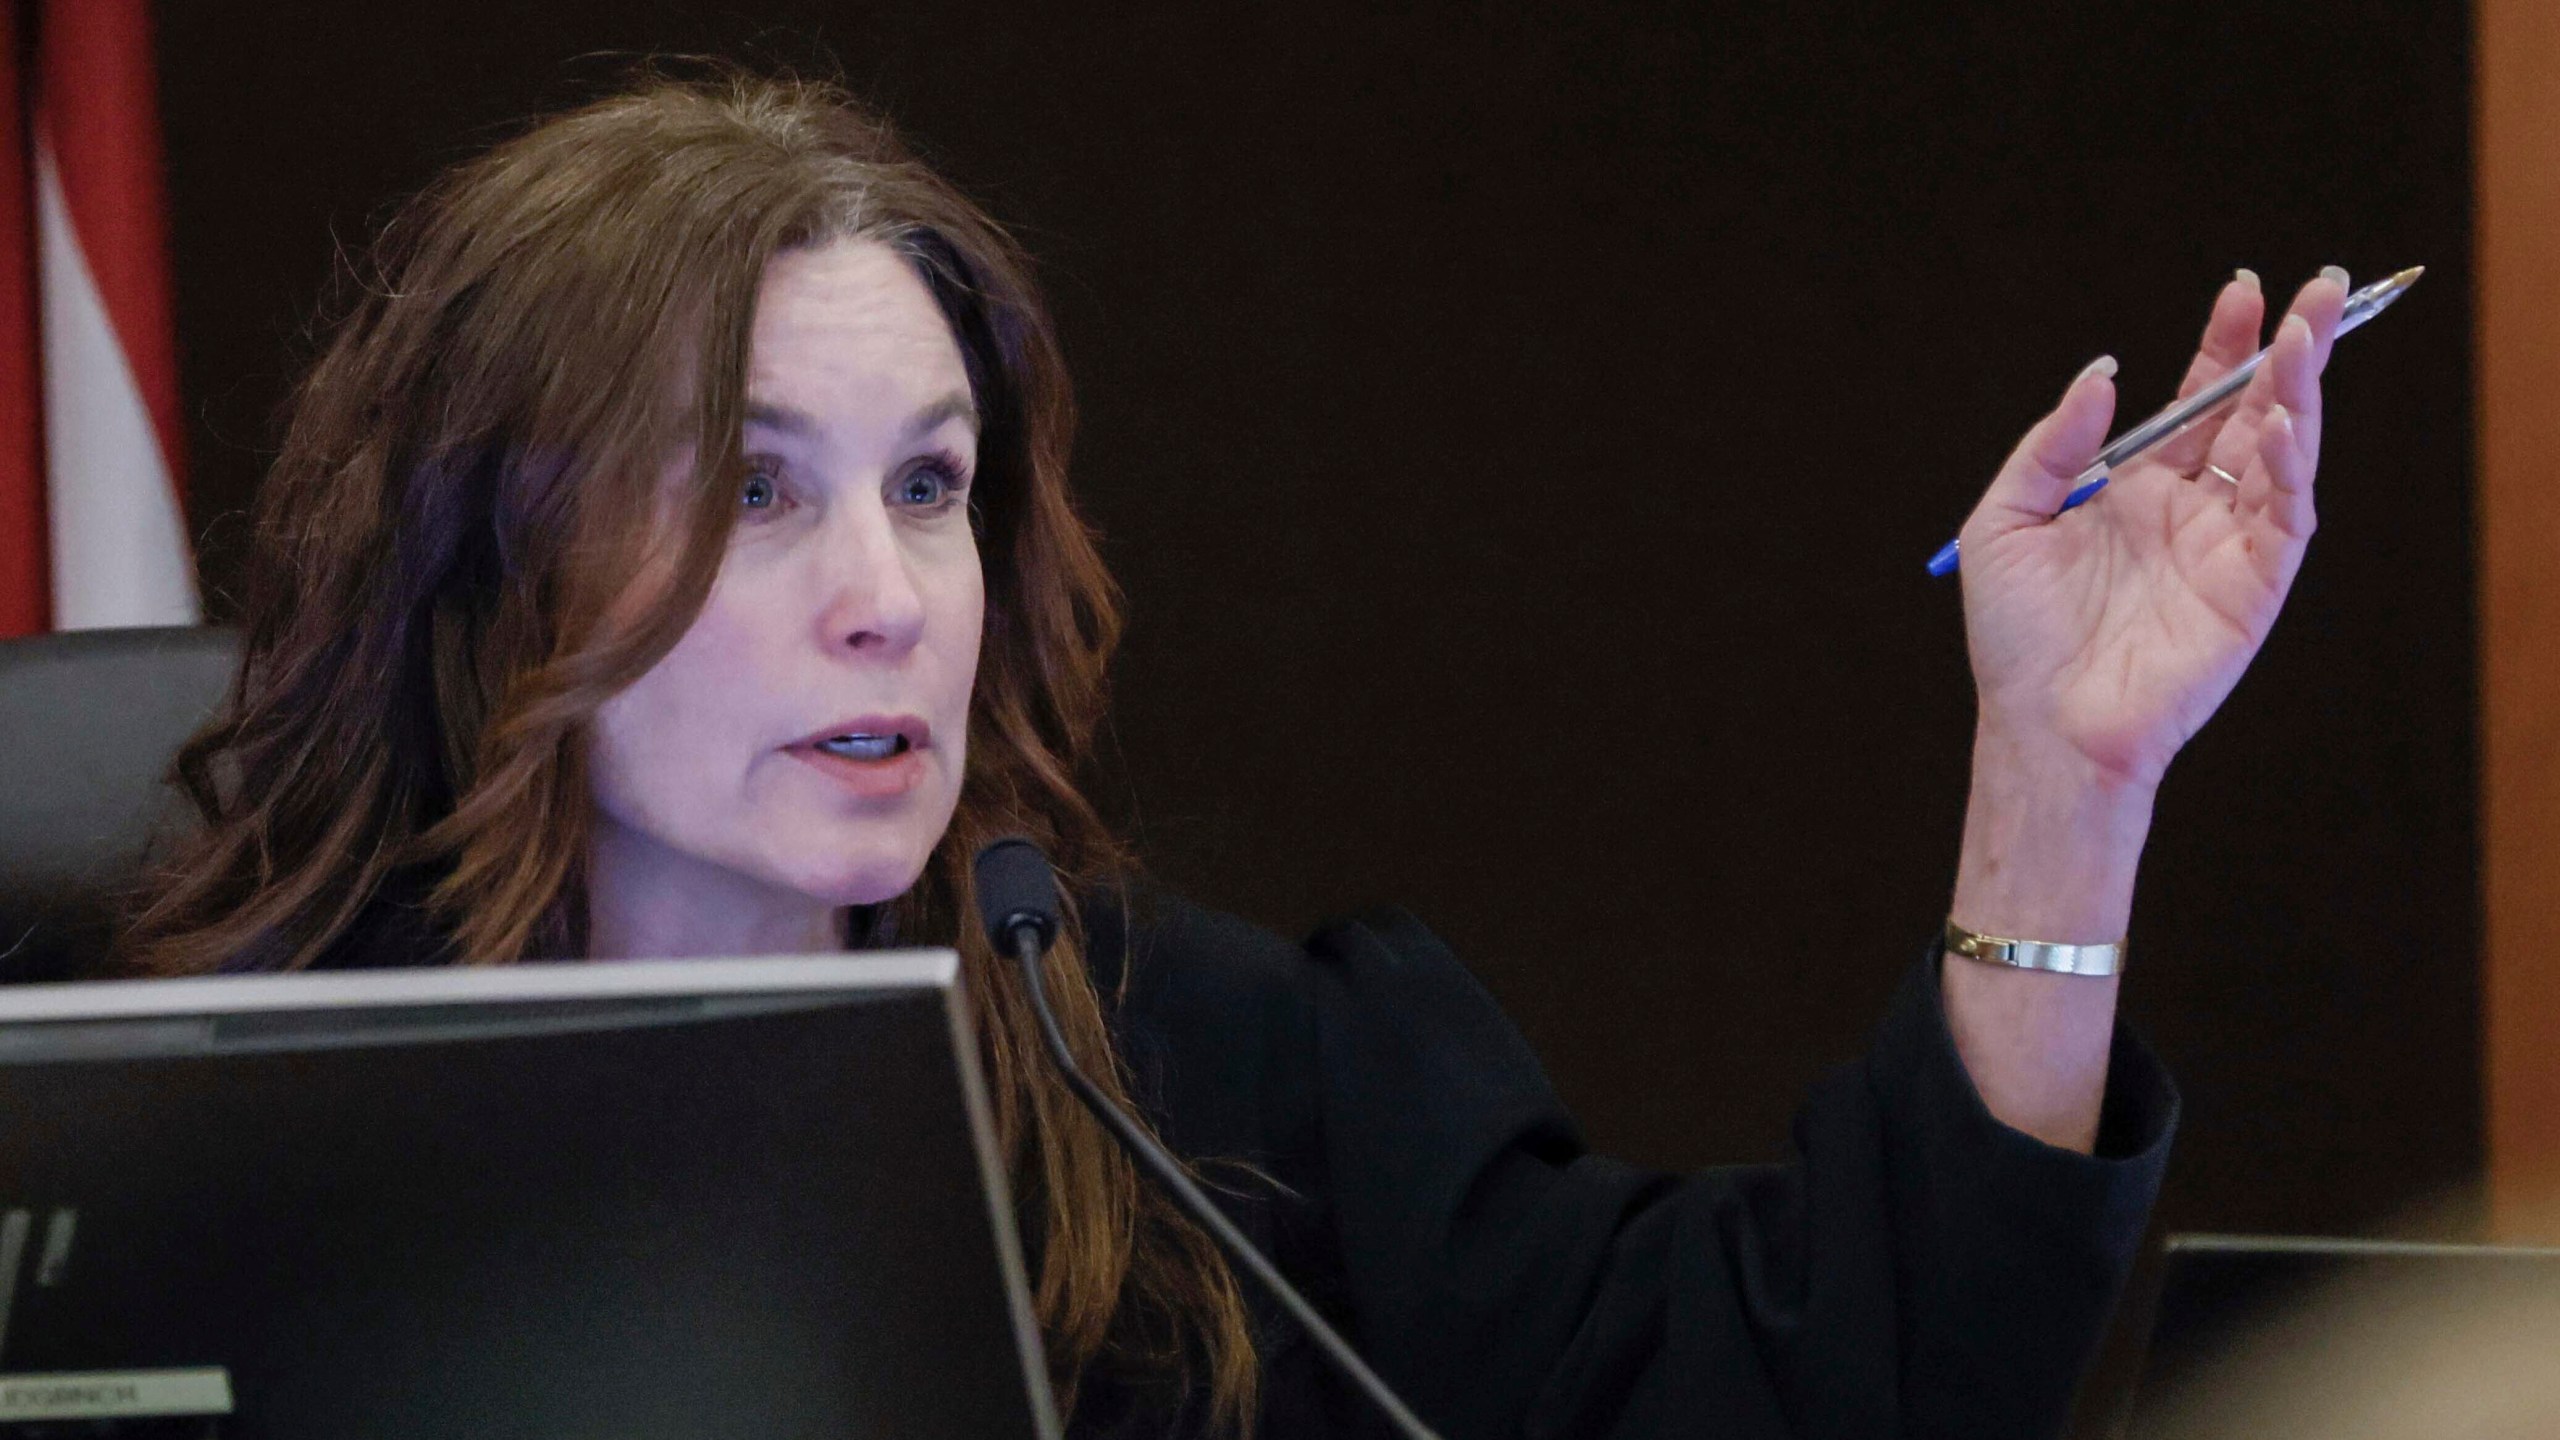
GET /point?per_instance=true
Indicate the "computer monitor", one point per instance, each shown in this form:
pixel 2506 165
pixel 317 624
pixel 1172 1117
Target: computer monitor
pixel 627 1201
pixel 2262 1337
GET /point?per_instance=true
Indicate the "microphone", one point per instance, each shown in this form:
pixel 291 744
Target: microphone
pixel 1018 901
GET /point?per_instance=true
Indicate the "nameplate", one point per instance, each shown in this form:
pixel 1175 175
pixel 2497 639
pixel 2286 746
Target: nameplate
pixel 109 1394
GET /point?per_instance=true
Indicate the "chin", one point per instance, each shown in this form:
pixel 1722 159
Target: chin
pixel 865 876
pixel 876 859
pixel 840 858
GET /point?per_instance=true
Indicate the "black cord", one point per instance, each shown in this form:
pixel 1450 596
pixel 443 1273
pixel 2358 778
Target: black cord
pixel 1151 1157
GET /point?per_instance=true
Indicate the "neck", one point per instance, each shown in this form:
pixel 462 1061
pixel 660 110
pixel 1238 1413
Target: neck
pixel 645 902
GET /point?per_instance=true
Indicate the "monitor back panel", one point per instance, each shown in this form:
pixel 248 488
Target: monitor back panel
pixel 763 1225
pixel 2250 1327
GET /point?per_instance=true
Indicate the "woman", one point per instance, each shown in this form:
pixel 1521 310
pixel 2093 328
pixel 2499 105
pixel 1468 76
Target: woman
pixel 671 554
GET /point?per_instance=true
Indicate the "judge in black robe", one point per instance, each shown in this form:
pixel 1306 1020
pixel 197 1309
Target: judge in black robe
pixel 1919 1270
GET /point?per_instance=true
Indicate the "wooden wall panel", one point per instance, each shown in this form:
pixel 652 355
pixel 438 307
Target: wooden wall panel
pixel 2519 420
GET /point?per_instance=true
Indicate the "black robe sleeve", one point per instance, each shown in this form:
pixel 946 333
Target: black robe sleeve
pixel 1921 1270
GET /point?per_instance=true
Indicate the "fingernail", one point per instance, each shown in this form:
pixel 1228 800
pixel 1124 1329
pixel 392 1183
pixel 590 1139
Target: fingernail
pixel 2104 365
pixel 2277 415
pixel 2292 322
pixel 2246 276
pixel 2334 272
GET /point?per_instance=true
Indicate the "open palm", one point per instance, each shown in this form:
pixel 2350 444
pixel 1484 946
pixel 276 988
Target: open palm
pixel 2117 629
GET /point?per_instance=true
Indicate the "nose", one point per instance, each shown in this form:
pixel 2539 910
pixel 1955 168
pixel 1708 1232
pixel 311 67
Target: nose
pixel 872 603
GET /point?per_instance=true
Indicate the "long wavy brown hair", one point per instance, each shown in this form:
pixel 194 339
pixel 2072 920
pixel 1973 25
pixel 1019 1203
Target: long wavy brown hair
pixel 466 546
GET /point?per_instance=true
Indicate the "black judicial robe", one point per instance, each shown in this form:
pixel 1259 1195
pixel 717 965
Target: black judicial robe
pixel 1920 1269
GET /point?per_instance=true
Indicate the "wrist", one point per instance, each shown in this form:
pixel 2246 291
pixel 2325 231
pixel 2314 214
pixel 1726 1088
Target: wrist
pixel 2051 843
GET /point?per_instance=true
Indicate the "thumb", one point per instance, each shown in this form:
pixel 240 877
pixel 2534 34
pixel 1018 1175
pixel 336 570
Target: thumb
pixel 2030 488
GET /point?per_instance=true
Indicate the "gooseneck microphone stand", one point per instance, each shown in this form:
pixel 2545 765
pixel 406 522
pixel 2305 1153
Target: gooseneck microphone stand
pixel 1018 901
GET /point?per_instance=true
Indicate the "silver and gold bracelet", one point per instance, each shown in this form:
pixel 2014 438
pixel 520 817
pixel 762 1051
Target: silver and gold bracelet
pixel 2105 959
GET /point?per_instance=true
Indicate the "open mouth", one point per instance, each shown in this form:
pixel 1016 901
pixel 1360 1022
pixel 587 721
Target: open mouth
pixel 859 746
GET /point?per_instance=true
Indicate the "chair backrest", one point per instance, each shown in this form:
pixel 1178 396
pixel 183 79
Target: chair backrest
pixel 89 722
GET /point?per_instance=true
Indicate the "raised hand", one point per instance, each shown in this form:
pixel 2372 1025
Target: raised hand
pixel 2102 640
pixel 2117 629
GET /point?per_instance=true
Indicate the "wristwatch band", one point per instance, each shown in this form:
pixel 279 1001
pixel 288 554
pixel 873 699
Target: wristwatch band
pixel 2036 954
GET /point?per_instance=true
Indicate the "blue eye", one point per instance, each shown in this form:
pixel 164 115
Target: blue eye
pixel 930 486
pixel 759 492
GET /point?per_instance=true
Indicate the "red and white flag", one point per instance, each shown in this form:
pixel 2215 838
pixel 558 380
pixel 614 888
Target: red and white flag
pixel 91 527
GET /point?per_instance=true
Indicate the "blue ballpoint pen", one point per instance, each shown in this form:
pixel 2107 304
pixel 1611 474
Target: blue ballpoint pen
pixel 2363 305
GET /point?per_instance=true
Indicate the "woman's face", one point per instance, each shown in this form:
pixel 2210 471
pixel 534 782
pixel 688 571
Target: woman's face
pixel 808 732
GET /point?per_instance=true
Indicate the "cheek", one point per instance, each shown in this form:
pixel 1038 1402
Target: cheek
pixel 969 612
pixel 962 614
pixel 653 742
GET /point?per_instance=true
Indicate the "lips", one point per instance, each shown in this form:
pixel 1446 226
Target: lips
pixel 899 732
pixel 871 755
pixel 862 745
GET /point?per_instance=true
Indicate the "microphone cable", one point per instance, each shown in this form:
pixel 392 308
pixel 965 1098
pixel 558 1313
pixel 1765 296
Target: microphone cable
pixel 1018 901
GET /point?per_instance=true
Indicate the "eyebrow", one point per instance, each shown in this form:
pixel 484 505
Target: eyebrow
pixel 798 423
pixel 954 406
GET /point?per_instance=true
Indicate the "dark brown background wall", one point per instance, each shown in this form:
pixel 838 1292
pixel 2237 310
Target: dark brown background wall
pixel 1520 428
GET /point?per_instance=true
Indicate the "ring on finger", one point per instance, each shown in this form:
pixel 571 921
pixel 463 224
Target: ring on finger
pixel 2225 476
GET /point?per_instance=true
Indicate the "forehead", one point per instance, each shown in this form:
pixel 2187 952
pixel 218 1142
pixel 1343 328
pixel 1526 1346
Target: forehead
pixel 850 325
